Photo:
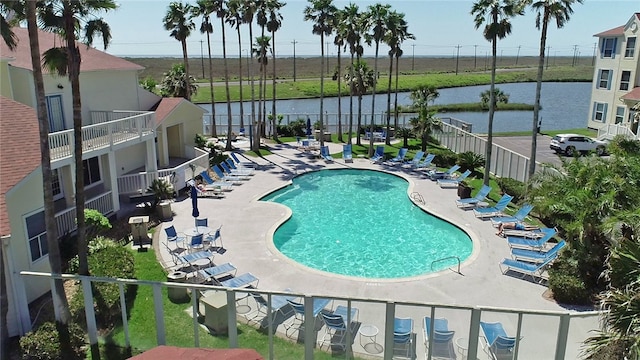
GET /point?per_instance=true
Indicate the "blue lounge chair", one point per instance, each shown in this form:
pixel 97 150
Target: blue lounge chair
pixel 520 242
pixel 453 182
pixel 196 259
pixel 496 342
pixel 403 336
pixel 249 164
pixel 416 159
pixel 228 178
pixel 480 196
pixel 517 217
pixel 297 323
pixel 279 306
pixel 324 152
pixel 435 175
pixel 346 153
pixel 232 173
pixel 495 210
pixel 535 255
pixel 236 170
pixel 243 281
pixel 214 272
pixel 439 339
pixel 400 157
pixel 535 270
pixel 378 156
pixel 427 162
pixel 210 183
pixel 337 323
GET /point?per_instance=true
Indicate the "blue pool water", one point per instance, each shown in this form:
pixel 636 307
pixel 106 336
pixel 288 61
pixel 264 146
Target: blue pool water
pixel 361 223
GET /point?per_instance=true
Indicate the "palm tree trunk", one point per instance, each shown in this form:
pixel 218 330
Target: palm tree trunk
pixel 360 86
pixel 395 102
pixel 239 76
pixel 228 146
pixel 388 139
pixel 273 88
pixel 256 130
pixel 213 101
pixel 373 98
pixel 492 107
pixel 349 140
pixel 339 96
pixel 185 59
pixel 321 89
pixel 536 104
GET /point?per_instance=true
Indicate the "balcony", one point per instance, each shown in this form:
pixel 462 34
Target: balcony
pixel 105 133
pixel 66 219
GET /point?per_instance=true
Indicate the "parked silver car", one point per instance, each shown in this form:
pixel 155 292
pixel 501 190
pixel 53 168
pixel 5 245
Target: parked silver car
pixel 569 144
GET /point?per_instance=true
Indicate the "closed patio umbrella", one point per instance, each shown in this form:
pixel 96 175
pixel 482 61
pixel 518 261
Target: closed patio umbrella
pixel 194 202
pixel 308 126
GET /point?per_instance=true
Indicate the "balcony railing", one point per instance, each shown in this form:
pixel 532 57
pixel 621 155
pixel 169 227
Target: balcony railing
pixel 66 219
pixel 609 131
pixel 103 135
pixel 177 176
pixel 540 334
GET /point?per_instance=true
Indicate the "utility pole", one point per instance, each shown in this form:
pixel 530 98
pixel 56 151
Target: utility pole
pixel 575 52
pixel 548 53
pixel 413 57
pixel 593 59
pixel 327 56
pixel 475 57
pixel 201 59
pixel 457 57
pixel 518 54
pixel 294 42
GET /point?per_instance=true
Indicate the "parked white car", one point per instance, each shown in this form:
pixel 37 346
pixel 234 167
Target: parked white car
pixel 569 144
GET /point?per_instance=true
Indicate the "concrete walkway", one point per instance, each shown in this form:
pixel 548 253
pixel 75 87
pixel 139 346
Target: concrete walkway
pixel 248 225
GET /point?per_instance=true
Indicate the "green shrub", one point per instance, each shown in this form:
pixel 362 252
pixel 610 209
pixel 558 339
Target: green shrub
pixel 469 160
pixel 444 158
pixel 200 141
pixel 566 282
pixel 44 343
pixel 114 262
pixel 96 244
pixel 512 187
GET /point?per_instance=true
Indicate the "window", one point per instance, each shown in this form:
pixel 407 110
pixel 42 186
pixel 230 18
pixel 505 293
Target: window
pixel 599 112
pixel 608 47
pixel 56 184
pixel 604 79
pixel 629 51
pixel 91 171
pixel 37 235
pixel 625 78
pixel 619 114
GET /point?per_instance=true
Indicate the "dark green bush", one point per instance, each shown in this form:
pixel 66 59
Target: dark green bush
pixel 512 187
pixel 566 282
pixel 44 343
pixel 444 157
pixel 114 262
pixel 469 160
pixel 297 127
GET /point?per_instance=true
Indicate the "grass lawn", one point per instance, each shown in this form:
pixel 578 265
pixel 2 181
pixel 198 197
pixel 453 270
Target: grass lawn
pixel 179 325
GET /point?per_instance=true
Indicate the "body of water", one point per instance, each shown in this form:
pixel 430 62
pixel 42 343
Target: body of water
pixel 564 106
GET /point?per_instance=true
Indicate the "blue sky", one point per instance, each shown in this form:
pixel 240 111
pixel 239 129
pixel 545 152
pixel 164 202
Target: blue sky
pixel 439 27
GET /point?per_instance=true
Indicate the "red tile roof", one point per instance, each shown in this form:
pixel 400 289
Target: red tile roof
pixel 165 106
pixel 616 31
pixel 91 58
pixel 164 352
pixel 633 94
pixel 19 150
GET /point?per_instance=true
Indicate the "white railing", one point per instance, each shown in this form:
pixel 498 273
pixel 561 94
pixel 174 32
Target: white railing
pixel 177 176
pixel 98 116
pixel 540 334
pixel 66 219
pixel 609 131
pixel 504 162
pixel 102 135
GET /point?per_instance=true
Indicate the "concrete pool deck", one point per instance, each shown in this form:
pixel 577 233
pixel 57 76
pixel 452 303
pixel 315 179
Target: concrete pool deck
pixel 247 225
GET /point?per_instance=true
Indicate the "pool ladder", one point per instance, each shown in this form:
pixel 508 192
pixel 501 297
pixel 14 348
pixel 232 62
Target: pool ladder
pixel 448 258
pixel 415 196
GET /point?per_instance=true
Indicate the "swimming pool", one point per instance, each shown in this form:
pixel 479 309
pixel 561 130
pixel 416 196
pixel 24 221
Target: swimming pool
pixel 361 223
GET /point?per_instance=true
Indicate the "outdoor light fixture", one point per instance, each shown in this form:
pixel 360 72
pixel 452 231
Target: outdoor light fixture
pixel 60 86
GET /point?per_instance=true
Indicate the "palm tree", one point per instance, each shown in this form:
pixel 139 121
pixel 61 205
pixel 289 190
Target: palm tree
pixel 178 21
pixel 351 30
pixel 359 80
pixel 495 15
pixel 223 14
pixel 175 83
pixel 547 10
pixel 13 9
pixel 339 42
pixel 261 49
pixel 322 13
pixel 65 18
pixel 499 96
pixel 273 25
pixel 426 121
pixel 205 8
pixel 234 19
pixel 377 16
pixel 248 10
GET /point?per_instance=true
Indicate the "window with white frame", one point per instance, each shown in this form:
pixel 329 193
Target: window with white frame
pixel 37 235
pixel 56 184
pixel 91 171
pixel 619 114
pixel 608 47
pixel 604 79
pixel 599 112
pixel 630 49
pixel 625 78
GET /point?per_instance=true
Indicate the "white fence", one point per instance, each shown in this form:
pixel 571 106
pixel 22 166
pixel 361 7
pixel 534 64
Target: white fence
pixel 540 334
pixel 609 131
pixel 66 219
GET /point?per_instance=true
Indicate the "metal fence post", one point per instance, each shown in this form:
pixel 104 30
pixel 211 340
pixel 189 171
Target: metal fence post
pixel 474 333
pixel 563 334
pixel 390 314
pixel 158 312
pixel 90 315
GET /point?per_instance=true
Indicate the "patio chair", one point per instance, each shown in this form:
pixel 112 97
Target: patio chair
pixel 242 281
pixel 297 323
pixel 436 175
pixel 212 192
pixel 536 256
pixel 212 239
pixel 279 307
pixel 173 236
pixel 214 272
pixel 495 210
pixel 520 242
pixel 196 243
pixel 202 222
pixel 427 162
pixel 403 336
pixel 229 178
pixel 496 342
pixel 197 260
pixel 453 182
pixel 535 270
pixel 237 174
pixel 236 170
pixel 400 157
pixel 519 216
pixel 247 164
pixel 480 196
pixel 324 152
pixel 438 339
pixel 212 184
pixel 346 153
pixel 378 156
pixel 416 159
pixel 337 324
